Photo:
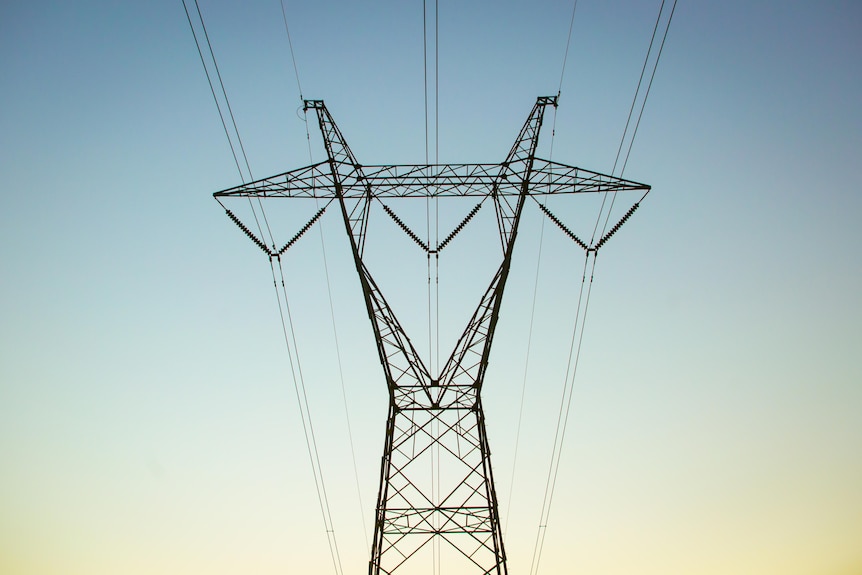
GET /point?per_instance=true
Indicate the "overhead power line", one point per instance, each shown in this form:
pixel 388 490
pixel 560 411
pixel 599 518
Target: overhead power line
pixel 581 314
pixel 275 257
pixel 212 90
pixel 640 83
pixel 649 86
pixel 643 100
pixel 292 54
pixel 536 279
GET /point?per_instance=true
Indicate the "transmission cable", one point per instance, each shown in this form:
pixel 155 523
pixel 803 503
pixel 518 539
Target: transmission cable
pixel 221 84
pixel 642 107
pixel 568 43
pixel 212 91
pixel 536 279
pixel 329 292
pixel 565 409
pixel 235 128
pixel 638 89
pixel 290 44
pixel 296 371
pixel 429 172
pixel 236 133
pixel 216 100
pixel 437 236
pixel 433 288
pixel 578 331
pixel 649 86
pixel 340 363
pixel 305 413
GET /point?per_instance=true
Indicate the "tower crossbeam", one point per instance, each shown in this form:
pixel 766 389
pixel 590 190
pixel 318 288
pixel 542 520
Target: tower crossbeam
pixel 431 180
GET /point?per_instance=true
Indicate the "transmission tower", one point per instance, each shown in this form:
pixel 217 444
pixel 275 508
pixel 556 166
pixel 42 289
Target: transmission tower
pixel 433 414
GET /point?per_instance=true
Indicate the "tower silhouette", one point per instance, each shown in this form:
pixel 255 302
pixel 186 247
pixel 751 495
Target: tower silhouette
pixel 434 417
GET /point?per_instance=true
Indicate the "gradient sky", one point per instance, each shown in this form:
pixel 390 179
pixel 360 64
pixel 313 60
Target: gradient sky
pixel 147 418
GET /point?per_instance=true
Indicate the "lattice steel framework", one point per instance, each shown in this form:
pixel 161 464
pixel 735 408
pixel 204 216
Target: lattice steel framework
pixel 440 412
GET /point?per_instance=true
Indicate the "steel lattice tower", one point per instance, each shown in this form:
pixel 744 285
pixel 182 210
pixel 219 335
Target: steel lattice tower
pixel 440 412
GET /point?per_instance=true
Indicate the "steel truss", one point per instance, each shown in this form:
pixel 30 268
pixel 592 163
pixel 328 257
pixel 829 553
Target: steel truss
pixel 434 418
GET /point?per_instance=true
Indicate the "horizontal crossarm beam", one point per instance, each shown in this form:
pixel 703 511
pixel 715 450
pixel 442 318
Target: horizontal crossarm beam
pixel 427 180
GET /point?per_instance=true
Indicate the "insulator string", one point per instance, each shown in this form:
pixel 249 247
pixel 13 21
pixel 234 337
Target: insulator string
pixel 543 207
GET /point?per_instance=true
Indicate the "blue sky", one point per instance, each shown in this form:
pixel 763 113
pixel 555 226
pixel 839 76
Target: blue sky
pixel 147 418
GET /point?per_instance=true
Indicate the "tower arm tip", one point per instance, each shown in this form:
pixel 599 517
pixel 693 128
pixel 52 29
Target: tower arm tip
pixel 548 100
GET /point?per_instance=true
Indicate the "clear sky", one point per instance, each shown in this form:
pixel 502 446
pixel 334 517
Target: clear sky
pixel 148 422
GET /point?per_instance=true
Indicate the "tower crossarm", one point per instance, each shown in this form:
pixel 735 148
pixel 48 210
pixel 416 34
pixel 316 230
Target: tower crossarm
pixel 549 177
pixel 314 181
pixel 433 180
